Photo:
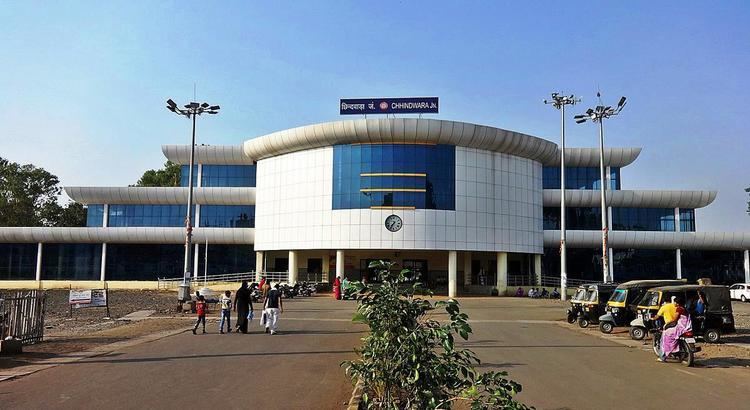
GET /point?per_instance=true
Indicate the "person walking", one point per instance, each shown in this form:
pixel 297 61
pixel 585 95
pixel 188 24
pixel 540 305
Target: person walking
pixel 242 305
pixel 273 308
pixel 200 308
pixel 226 312
pixel 337 288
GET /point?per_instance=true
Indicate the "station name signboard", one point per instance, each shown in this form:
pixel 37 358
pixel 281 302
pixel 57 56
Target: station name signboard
pixel 409 105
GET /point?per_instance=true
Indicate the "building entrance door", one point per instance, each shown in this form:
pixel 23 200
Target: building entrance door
pixel 314 269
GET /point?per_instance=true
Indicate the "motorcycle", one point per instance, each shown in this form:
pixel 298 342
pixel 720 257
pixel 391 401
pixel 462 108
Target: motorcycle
pixel 685 353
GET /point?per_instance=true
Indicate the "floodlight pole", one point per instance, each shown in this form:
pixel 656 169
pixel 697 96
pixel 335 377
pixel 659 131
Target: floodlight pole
pixel 191 111
pixel 599 115
pixel 188 216
pixel 605 219
pixel 559 102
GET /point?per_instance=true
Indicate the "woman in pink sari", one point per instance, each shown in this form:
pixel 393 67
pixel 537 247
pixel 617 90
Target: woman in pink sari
pixel 671 336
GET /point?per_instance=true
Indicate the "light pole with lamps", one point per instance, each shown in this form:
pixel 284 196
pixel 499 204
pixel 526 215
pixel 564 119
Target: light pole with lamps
pixel 598 114
pixel 190 111
pixel 560 101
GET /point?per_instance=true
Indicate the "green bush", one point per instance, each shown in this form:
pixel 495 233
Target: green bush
pixel 409 359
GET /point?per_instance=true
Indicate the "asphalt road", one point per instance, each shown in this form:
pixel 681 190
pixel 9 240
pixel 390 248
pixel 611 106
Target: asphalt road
pixel 558 367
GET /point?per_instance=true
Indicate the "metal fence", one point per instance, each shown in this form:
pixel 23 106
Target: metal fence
pixel 22 316
pixel 546 281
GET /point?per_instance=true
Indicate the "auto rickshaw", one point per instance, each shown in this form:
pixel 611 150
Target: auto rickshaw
pixel 621 307
pixel 575 308
pixel 715 320
pixel 595 302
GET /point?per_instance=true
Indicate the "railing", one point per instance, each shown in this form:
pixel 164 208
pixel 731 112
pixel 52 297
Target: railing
pixel 22 316
pixel 302 276
pixel 546 281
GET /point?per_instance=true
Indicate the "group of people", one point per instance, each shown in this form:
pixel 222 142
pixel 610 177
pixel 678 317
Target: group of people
pixel 339 287
pixel 537 293
pixel 243 306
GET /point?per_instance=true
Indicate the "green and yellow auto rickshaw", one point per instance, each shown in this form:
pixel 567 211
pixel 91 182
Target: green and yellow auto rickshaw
pixel 595 302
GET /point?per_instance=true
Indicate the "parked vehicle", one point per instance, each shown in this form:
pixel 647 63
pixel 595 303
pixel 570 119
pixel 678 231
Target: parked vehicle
pixel 685 354
pixel 594 304
pixel 716 319
pixel 622 305
pixel 576 303
pixel 740 291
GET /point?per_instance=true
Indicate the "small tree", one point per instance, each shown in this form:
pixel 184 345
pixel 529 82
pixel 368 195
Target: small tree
pixel 167 176
pixel 409 360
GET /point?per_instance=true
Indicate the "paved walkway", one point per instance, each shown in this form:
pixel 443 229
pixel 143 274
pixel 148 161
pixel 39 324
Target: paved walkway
pixel 296 369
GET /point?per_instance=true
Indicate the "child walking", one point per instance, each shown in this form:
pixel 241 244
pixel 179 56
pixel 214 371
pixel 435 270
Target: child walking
pixel 226 312
pixel 200 308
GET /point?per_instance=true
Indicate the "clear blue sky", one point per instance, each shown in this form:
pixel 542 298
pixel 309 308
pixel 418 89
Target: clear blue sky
pixel 83 84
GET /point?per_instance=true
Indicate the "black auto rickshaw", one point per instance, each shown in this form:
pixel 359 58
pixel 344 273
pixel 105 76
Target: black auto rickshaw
pixel 595 302
pixel 715 318
pixel 575 308
pixel 621 307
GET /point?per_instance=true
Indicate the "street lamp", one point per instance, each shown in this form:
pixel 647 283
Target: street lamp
pixel 560 101
pixel 598 114
pixel 189 111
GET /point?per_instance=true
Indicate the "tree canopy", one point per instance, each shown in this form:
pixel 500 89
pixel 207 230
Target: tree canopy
pixel 28 197
pixel 167 176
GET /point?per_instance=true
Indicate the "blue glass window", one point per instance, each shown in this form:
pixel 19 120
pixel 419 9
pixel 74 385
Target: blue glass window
pixel 643 219
pixel 577 219
pixel 227 216
pixel 147 215
pixel 578 178
pixel 723 267
pixel 95 215
pixel 220 176
pixel 687 220
pixel 71 261
pixel 18 261
pixel 635 264
pixel 394 175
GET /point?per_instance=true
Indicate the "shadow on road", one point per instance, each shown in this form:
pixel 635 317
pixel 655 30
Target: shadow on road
pixel 109 359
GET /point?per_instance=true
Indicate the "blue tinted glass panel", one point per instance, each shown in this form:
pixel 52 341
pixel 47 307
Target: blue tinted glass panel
pixel 643 219
pixel 95 215
pixel 687 220
pixel 147 215
pixel 227 216
pixel 578 178
pixel 372 175
pixel 228 176
pixel 185 176
pixel 635 264
pixel 18 261
pixel 71 261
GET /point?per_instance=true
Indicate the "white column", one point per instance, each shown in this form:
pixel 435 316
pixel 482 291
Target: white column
pixel 747 266
pixel 678 262
pixel 103 268
pixel 467 268
pixel 502 273
pixel 39 261
pixel 538 268
pixel 325 269
pixel 677 219
pixel 200 176
pixel 292 267
pixel 452 273
pixel 340 264
pixel 196 246
pixel 258 265
pixel 197 216
pixel 105 216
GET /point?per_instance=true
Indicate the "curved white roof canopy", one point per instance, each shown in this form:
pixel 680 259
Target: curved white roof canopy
pixel 150 235
pixel 589 157
pixel 161 195
pixel 207 154
pixel 400 130
pixel 652 240
pixel 631 199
